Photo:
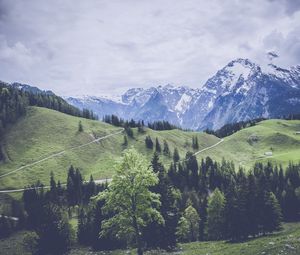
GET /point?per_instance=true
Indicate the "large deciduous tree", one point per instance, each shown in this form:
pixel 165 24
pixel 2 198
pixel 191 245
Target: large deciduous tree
pixel 129 199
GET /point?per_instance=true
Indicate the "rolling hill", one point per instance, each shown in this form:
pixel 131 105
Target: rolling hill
pixel 250 144
pixel 44 133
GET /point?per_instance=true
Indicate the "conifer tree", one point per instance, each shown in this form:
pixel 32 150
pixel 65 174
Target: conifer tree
pixel 80 127
pixel 149 142
pixel 157 146
pixel 166 149
pixel 176 156
pixel 272 212
pixel 125 142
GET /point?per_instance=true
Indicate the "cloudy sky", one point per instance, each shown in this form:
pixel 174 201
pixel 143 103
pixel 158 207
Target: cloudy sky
pixel 106 46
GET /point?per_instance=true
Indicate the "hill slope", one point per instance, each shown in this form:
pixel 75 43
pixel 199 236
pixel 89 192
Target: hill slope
pixel 43 132
pixel 250 144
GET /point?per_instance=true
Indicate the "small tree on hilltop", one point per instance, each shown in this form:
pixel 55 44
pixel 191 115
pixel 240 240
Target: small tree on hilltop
pixel 129 200
pixel 80 127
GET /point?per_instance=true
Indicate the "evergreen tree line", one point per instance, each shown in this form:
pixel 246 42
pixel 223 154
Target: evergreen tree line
pixel 156 125
pixel 231 128
pixel 210 201
pixel 198 201
pixel 250 203
pixel 47 213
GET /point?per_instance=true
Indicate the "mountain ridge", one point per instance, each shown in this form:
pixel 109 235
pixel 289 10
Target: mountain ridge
pixel 240 91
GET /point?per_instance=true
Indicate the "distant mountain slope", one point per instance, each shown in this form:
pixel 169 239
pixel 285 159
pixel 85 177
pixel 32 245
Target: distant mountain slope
pixel 241 90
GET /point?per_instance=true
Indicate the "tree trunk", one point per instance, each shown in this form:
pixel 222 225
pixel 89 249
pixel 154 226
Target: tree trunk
pixel 138 237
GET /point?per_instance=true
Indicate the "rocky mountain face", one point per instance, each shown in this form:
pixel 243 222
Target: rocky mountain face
pixel 242 90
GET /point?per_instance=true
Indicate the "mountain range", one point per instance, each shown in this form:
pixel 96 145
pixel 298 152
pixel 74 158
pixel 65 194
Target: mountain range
pixel 240 91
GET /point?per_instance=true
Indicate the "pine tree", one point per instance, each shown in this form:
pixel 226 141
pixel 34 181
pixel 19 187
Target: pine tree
pixel 166 149
pixel 80 127
pixel 54 231
pixel 195 143
pixel 129 131
pixel 148 142
pixel 125 142
pixel 192 170
pixel 157 146
pixel 176 156
pixel 272 212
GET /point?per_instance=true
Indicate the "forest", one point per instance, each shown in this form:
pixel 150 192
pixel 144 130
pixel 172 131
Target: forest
pixel 150 207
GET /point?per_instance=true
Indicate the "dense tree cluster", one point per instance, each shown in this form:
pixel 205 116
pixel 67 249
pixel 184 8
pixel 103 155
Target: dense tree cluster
pixel 191 201
pixel 119 122
pixel 243 203
pixel 156 125
pixel 162 125
pixel 231 128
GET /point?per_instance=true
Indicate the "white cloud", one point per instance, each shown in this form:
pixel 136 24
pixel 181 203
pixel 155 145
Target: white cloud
pixel 92 47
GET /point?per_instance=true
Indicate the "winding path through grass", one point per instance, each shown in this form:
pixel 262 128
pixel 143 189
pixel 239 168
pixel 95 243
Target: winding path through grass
pixel 60 153
pixel 99 181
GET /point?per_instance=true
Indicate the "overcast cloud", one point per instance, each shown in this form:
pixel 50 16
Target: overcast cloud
pixel 105 46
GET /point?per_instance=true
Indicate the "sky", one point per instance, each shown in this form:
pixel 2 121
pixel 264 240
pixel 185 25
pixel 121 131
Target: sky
pixel 104 47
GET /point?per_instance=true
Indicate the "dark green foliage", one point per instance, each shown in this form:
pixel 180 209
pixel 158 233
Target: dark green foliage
pixel 54 231
pixel 129 131
pixel 125 142
pixel 80 127
pixel 195 143
pixel 272 213
pixel 74 187
pixel 149 142
pixel 166 149
pixel 176 156
pixel 162 125
pixel 156 235
pixel 156 125
pixel 231 128
pixel 157 146
pixel 6 226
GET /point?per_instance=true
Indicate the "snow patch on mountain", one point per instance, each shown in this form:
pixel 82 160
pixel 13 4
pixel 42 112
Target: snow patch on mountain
pixel 183 103
pixel 241 90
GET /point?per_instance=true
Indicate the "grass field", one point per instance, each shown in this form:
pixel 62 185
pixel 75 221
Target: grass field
pixel 248 145
pixel 44 132
pixel 285 242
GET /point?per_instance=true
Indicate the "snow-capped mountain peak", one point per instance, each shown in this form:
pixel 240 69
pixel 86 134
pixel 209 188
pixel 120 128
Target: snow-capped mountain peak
pixel 241 90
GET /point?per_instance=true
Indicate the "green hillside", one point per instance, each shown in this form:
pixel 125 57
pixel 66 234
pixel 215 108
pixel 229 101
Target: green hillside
pixel 43 132
pixel 250 144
